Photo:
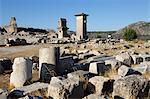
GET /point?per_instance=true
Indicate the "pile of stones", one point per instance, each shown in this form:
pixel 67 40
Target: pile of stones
pixel 61 78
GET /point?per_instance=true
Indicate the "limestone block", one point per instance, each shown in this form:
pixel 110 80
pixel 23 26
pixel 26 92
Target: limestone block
pixel 95 52
pixel 25 90
pixel 65 64
pixel 137 59
pixel 48 55
pixel 61 88
pixel 22 71
pixel 47 71
pixel 131 87
pixel 85 55
pixel 115 64
pixel 125 71
pixel 97 67
pixel 143 68
pixel 102 85
pixel 145 57
pixel 95 96
pixel 101 57
pixel 79 75
pixel 125 58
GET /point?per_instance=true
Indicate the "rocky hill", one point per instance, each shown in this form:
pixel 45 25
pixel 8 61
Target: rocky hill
pixel 142 28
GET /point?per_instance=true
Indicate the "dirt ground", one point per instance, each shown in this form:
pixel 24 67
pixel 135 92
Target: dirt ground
pixel 30 50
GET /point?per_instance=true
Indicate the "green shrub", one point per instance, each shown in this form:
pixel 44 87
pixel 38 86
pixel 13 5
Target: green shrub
pixel 99 35
pixel 129 34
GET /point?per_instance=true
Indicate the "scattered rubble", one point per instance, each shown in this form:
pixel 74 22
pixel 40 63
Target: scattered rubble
pixel 73 66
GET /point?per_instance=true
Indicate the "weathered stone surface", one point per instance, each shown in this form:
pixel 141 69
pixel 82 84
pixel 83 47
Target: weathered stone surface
pixel 22 71
pixel 97 67
pixel 12 27
pixel 125 71
pixel 47 71
pixel 125 58
pixel 137 59
pixel 146 57
pixel 79 75
pixel 21 91
pixel 115 64
pixel 62 28
pixel 131 87
pixel 3 93
pixel 64 51
pixel 82 46
pixel 6 63
pixel 65 63
pixel 31 97
pixel 82 51
pixel 85 55
pixel 48 55
pixel 95 52
pixel 144 67
pixel 81 27
pixel 61 88
pixel 101 57
pixel 1 69
pixel 103 85
pixel 95 96
pixel 35 66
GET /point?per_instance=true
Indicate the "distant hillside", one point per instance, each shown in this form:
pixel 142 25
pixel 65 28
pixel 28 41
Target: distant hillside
pixel 99 34
pixel 142 29
pixel 31 30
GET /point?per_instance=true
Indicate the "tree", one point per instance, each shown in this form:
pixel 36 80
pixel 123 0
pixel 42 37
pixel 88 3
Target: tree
pixel 129 34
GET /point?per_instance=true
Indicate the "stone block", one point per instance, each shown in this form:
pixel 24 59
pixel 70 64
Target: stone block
pixel 47 71
pixel 131 87
pixel 22 71
pixel 125 58
pixel 145 57
pixel 65 64
pixel 125 71
pixel 102 85
pixel 143 68
pixel 97 67
pixel 137 59
pixel 115 64
pixel 61 88
pixel 48 55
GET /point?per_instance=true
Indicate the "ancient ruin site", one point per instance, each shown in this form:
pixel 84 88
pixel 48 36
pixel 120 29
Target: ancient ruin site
pixel 77 59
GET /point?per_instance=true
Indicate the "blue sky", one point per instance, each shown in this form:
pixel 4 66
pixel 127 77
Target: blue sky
pixel 103 14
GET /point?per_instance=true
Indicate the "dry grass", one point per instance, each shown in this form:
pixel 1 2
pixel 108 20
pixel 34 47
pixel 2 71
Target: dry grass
pixel 40 92
pixel 146 75
pixel 4 80
pixel 110 73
